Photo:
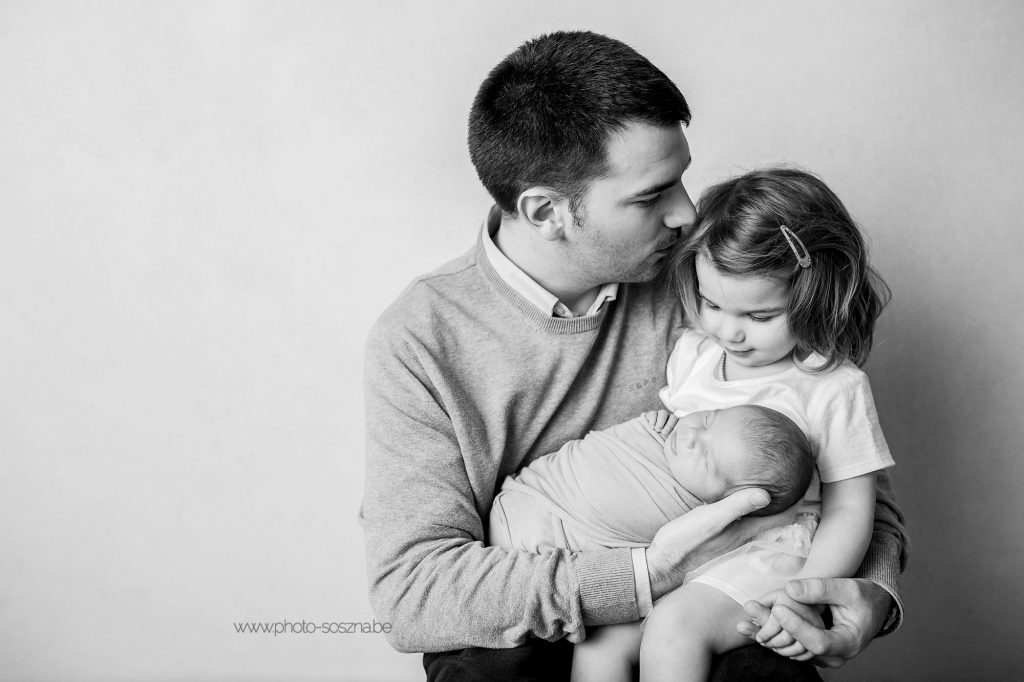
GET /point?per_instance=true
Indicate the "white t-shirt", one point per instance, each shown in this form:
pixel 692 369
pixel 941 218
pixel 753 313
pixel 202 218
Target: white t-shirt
pixel 836 412
pixel 834 409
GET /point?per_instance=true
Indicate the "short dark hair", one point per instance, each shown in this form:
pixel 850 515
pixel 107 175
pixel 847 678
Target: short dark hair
pixel 785 464
pixel 543 115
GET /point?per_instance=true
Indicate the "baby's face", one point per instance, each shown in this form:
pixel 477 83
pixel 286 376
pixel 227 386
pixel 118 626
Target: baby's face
pixel 707 454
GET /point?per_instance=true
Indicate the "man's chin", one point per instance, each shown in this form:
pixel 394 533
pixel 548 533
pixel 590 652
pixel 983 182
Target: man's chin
pixel 645 273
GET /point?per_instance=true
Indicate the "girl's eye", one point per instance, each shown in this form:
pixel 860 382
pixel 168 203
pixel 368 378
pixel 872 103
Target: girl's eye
pixel 708 304
pixel 757 318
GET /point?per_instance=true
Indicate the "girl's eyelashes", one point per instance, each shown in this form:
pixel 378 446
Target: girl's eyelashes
pixel 708 304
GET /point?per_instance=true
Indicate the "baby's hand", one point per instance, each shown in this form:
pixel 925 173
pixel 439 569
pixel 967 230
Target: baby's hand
pixel 662 421
pixel 766 631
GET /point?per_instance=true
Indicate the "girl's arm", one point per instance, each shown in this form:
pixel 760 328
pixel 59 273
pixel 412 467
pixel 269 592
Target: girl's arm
pixel 847 519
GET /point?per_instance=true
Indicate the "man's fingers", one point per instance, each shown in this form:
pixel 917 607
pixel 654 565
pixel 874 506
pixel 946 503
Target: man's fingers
pixel 814 639
pixel 819 591
pixel 738 504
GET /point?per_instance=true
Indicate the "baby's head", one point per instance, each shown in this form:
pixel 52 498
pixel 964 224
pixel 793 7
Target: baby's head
pixel 717 452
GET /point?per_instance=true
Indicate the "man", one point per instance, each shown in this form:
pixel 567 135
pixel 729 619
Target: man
pixel 553 325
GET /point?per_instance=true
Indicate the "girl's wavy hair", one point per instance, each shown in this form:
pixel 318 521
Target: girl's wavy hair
pixel 833 304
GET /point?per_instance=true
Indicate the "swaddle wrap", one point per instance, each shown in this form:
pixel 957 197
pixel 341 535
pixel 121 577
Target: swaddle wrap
pixel 612 488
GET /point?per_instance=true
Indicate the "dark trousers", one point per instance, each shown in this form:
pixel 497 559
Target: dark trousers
pixel 541 661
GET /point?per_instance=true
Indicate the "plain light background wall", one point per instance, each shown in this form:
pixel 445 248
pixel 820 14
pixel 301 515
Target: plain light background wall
pixel 204 206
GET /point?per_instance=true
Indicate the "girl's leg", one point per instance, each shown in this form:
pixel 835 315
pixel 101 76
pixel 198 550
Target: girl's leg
pixel 685 629
pixel 609 654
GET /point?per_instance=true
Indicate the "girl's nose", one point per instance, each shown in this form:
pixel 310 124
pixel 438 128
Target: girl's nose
pixel 731 331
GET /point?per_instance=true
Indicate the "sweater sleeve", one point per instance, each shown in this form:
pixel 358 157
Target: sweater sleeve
pixel 430 575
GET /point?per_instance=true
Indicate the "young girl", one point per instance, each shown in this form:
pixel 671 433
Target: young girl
pixel 776 282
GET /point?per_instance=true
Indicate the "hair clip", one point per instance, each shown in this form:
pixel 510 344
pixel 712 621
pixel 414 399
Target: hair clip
pixel 804 260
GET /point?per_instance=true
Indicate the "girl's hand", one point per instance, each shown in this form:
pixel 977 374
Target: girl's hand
pixel 765 629
pixel 662 421
pixel 858 608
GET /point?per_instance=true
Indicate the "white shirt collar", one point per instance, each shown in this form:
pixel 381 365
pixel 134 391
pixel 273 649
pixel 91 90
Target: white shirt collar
pixel 525 286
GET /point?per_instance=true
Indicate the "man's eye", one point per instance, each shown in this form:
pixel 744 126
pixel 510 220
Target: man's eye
pixel 648 202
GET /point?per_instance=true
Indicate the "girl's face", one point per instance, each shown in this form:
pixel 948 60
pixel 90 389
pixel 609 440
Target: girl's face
pixel 747 316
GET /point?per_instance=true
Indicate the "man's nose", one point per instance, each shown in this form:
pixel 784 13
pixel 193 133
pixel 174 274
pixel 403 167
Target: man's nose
pixel 681 214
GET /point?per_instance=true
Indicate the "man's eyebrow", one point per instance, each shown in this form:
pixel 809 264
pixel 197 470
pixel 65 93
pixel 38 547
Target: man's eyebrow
pixel 655 189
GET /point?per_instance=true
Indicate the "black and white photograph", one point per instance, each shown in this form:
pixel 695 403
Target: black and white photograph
pixel 561 341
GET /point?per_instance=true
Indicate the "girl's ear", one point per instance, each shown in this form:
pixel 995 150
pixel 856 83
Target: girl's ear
pixel 545 210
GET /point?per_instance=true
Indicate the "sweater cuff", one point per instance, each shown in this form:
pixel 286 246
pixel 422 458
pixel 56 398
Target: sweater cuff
pixel 882 566
pixel 607 587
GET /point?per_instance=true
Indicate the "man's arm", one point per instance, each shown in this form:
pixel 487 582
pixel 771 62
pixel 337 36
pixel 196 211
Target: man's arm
pixel 430 575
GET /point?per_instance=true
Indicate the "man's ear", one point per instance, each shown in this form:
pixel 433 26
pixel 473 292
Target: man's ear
pixel 545 210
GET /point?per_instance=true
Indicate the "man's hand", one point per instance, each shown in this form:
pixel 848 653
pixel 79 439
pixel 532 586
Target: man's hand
pixel 771 634
pixel 698 536
pixel 858 608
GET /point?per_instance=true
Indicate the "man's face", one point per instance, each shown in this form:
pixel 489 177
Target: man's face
pixel 630 218
pixel 707 453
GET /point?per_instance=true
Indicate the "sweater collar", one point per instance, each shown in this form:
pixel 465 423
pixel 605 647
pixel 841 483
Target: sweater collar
pixel 525 285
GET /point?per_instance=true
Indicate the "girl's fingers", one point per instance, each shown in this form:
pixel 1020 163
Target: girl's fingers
pixel 780 641
pixel 768 631
pixel 793 650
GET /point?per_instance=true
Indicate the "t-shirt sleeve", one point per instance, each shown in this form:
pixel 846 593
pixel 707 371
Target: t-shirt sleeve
pixel 852 443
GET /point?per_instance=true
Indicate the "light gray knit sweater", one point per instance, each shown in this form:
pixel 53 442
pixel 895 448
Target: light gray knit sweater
pixel 466 382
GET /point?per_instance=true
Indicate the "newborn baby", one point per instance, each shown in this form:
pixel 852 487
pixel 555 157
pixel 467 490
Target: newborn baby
pixel 617 487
